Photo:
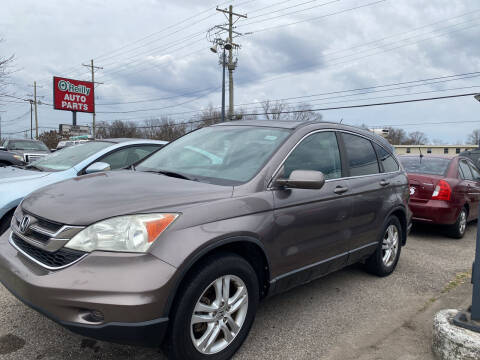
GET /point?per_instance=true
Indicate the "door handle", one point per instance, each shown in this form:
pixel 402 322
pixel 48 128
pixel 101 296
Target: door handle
pixel 384 183
pixel 340 189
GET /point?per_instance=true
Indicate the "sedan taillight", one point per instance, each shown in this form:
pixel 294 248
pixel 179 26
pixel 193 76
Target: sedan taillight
pixel 442 191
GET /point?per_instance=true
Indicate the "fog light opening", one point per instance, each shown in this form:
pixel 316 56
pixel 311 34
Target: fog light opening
pixel 94 316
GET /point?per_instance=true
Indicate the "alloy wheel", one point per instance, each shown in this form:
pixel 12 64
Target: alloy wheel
pixel 219 314
pixel 462 224
pixel 390 245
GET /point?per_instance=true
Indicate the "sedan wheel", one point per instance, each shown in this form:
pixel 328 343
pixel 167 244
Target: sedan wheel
pixel 219 314
pixel 458 229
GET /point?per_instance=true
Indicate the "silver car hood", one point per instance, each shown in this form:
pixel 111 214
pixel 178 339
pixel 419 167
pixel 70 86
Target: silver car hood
pixel 11 174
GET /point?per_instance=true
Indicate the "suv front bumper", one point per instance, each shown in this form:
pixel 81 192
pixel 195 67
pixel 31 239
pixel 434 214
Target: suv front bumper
pixel 130 291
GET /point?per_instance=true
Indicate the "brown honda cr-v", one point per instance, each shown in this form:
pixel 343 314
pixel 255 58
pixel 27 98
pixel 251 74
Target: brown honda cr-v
pixel 180 250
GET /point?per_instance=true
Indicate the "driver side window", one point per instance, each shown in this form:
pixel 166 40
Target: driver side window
pixel 318 152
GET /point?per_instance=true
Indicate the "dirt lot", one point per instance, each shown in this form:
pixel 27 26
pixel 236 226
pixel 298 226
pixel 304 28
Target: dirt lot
pixel 347 315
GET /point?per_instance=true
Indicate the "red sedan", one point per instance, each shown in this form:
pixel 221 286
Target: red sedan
pixel 443 190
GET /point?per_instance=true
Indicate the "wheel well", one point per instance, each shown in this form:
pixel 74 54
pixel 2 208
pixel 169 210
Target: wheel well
pixel 400 215
pixel 250 251
pixel 466 206
pixel 5 216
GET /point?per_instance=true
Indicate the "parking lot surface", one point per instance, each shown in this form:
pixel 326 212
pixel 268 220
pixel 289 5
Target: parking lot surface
pixel 346 315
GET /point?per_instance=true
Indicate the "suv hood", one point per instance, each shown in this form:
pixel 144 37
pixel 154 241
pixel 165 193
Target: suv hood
pixel 90 198
pixel 12 174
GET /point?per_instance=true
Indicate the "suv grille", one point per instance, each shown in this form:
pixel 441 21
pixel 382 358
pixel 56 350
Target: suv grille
pixel 32 157
pixel 55 260
pixel 42 241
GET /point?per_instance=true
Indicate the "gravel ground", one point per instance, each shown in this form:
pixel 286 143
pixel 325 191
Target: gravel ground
pixel 346 315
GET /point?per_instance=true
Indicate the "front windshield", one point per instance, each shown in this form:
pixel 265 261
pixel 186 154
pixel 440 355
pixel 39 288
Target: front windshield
pixel 225 155
pixel 26 145
pixel 70 156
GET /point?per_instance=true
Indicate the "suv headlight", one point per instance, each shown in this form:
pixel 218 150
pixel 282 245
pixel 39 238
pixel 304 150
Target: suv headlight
pixel 131 233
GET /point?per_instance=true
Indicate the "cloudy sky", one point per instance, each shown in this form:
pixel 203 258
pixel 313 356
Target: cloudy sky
pixel 156 59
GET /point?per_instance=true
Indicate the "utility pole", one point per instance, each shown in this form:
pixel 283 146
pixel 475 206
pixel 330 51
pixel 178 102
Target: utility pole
pixel 92 68
pixel 31 118
pixel 36 112
pixel 231 64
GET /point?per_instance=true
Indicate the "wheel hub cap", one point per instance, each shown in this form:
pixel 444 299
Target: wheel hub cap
pixel 219 314
pixel 390 245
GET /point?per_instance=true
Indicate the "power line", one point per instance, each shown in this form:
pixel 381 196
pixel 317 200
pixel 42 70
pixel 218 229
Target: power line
pixel 334 108
pixel 391 86
pixel 154 109
pixel 157 99
pixel 318 17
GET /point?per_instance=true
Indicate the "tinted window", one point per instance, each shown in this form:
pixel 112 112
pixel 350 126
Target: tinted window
pixel 317 152
pixel 225 155
pixel 128 156
pixel 26 145
pixel 386 159
pixel 362 159
pixel 465 171
pixel 475 172
pixel 425 165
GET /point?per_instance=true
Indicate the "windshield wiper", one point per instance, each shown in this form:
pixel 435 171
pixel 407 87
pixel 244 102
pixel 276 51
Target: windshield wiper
pixel 172 174
pixel 33 167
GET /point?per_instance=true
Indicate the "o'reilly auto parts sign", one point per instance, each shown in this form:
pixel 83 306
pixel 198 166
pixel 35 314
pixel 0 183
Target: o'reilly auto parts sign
pixel 73 95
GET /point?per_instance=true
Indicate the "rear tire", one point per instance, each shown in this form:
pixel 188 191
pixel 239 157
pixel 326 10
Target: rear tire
pixel 226 326
pixel 457 230
pixel 384 261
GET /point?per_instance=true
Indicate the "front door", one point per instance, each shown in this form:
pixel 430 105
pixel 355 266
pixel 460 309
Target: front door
pixel 312 226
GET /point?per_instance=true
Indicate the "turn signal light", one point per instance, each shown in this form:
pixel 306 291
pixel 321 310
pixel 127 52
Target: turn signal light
pixel 442 191
pixel 156 227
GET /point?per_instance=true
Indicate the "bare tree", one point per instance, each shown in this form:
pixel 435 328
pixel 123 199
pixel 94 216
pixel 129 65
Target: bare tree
pixel 280 110
pixel 122 129
pixel 305 113
pixel 50 138
pixel 474 137
pixel 416 138
pixel 5 72
pixel 274 111
pixel 396 136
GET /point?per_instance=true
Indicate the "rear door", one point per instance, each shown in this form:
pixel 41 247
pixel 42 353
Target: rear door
pixel 475 188
pixel 369 191
pixel 468 187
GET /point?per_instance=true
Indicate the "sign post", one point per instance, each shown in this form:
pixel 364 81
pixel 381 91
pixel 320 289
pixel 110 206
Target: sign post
pixel 73 95
pixel 471 319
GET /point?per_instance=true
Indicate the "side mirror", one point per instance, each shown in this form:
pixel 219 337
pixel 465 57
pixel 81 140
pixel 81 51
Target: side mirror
pixel 97 167
pixel 303 179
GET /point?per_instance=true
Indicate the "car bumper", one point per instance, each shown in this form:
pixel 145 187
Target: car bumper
pixel 434 211
pixel 130 291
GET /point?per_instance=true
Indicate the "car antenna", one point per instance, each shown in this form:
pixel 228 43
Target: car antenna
pixel 421 155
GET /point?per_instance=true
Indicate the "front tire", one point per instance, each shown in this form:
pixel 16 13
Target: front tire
pixel 384 261
pixel 215 310
pixel 458 229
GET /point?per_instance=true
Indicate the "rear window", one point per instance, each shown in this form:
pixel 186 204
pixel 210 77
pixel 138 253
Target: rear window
pixel 425 165
pixel 362 159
